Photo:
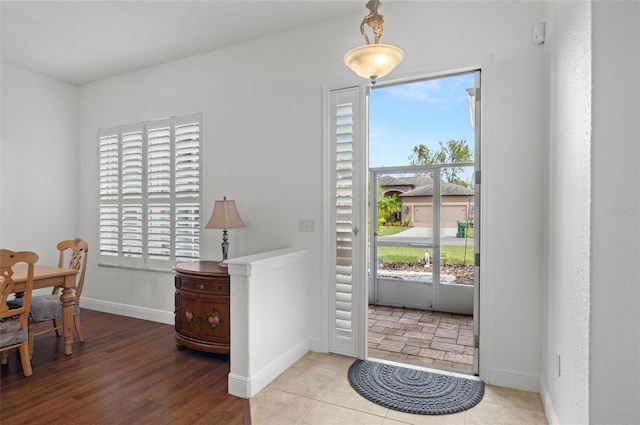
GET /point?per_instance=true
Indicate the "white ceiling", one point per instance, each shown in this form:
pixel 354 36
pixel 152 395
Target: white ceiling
pixel 83 41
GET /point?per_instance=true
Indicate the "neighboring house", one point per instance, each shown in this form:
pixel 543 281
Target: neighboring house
pixel 416 193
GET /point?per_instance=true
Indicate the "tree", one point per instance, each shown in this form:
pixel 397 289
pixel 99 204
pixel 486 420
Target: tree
pixel 452 152
pixel 388 206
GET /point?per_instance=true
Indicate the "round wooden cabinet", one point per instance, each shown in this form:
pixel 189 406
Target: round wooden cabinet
pixel 202 306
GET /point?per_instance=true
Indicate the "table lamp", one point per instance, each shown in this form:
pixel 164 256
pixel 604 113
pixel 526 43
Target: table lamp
pixel 225 216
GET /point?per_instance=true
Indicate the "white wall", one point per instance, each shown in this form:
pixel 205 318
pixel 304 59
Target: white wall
pixel 614 345
pixel 591 293
pixel 262 105
pixel 567 252
pixel 38 162
pixel 269 307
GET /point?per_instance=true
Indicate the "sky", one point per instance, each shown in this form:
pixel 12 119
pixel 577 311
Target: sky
pixel 423 112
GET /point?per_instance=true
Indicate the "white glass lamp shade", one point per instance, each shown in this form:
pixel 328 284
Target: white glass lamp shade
pixel 373 60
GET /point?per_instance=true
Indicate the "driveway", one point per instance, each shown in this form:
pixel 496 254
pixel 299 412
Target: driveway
pixel 418 235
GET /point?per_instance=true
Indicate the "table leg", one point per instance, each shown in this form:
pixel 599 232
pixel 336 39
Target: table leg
pixel 67 298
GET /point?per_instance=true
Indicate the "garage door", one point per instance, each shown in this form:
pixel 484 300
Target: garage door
pixel 423 216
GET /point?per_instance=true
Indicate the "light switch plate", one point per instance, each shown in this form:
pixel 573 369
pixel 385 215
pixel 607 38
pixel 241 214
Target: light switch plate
pixel 306 225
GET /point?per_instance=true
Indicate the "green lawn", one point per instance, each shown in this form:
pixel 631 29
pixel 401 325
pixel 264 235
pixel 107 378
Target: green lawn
pixel 386 231
pixel 450 254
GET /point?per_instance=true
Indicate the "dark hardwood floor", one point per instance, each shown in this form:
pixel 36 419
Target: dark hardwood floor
pixel 128 371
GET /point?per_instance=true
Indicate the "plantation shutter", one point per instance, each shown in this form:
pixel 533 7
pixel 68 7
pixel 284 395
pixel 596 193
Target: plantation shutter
pixel 159 169
pixel 150 193
pixel 347 213
pixel 109 194
pixel 187 189
pixel 132 194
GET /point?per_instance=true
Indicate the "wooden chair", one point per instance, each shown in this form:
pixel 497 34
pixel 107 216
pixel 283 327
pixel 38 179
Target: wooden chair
pixel 14 322
pixel 46 308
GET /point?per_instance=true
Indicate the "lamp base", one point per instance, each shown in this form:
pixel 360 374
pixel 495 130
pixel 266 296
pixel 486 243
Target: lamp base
pixel 225 248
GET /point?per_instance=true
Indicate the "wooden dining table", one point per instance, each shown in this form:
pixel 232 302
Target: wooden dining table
pixel 49 277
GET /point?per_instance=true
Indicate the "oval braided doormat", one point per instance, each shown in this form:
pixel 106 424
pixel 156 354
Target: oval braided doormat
pixel 412 390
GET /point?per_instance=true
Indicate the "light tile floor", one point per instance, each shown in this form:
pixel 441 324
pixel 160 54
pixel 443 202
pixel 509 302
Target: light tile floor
pixel 316 391
pixel 421 337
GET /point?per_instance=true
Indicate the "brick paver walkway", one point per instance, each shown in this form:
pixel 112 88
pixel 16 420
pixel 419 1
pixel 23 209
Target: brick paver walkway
pixel 420 337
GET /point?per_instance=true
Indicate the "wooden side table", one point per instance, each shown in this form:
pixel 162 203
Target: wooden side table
pixel 202 307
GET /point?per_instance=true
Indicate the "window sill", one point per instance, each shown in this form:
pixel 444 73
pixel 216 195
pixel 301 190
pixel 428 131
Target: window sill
pixel 142 269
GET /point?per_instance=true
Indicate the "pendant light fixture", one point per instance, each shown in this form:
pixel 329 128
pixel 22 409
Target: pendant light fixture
pixel 373 60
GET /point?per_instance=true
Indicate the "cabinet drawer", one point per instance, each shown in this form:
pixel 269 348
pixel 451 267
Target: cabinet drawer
pixel 200 285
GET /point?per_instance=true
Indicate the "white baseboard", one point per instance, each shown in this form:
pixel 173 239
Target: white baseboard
pixel 514 379
pixel 315 345
pixel 249 386
pixel 552 418
pixel 128 310
pixel 239 386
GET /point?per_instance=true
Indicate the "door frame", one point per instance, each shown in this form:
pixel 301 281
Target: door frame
pixel 361 333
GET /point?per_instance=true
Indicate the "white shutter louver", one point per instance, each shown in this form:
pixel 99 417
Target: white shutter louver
pixel 132 230
pixel 159 231
pixel 131 184
pixel 344 216
pixel 187 231
pixel 159 163
pixel 159 170
pixel 109 193
pixel 187 176
pixel 187 190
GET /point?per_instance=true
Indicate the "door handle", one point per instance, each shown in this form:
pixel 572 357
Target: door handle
pixel 424 245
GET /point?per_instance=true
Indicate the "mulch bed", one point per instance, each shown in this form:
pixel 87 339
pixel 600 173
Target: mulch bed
pixel 463 273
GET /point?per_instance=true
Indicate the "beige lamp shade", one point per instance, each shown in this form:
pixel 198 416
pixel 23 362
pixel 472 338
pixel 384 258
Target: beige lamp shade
pixel 373 60
pixel 225 216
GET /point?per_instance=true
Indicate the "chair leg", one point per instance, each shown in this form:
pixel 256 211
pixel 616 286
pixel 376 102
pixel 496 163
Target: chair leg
pixel 76 322
pixel 55 326
pixel 26 359
pixel 31 338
